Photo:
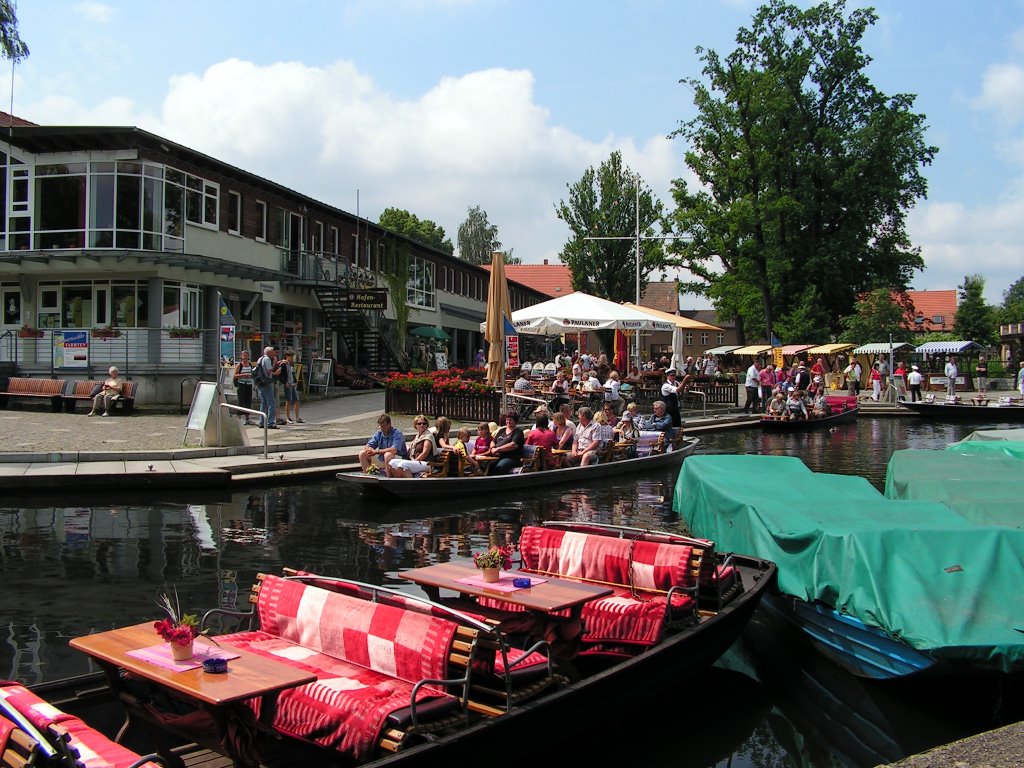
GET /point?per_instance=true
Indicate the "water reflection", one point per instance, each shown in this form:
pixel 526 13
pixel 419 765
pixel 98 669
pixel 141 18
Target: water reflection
pixel 70 570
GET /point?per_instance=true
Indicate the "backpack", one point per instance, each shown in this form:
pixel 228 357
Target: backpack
pixel 259 374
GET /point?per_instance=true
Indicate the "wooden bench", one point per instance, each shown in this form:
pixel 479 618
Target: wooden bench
pixel 35 389
pixel 83 390
pixel 416 663
pixel 37 733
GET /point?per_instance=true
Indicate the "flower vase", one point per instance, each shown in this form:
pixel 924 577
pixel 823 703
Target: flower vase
pixel 181 652
pixel 491 574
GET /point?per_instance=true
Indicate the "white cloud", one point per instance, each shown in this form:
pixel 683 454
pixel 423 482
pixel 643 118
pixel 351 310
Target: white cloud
pixel 99 13
pixel 1002 92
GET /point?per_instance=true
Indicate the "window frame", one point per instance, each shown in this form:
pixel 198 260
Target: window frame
pixel 234 205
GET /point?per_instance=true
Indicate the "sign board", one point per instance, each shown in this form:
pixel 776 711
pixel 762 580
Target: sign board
pixel 511 352
pixel 778 359
pixel 227 343
pixel 71 349
pixel 226 378
pixel 441 358
pixel 320 373
pixel 900 383
pixel 215 425
pixel 369 298
pixel 300 381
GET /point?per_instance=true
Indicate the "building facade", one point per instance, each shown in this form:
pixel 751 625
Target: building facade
pixel 121 247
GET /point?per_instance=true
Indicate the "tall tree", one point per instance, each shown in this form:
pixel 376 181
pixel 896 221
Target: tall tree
pixel 11 45
pixel 975 320
pixel 1012 308
pixel 478 239
pixel 421 230
pixel 876 316
pixel 602 214
pixel 806 172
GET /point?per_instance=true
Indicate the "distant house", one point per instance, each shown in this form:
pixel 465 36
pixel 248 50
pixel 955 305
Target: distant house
pixel 725 337
pixel 553 280
pixel 933 311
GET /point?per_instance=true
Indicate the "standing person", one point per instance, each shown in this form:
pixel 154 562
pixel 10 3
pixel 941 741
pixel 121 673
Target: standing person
pixel 981 374
pixel 670 394
pixel 291 389
pixel 914 379
pixel 753 385
pixel 1020 379
pixel 243 384
pixel 387 442
pixel 876 381
pixel 951 374
pixel 480 360
pixel 767 378
pixel 850 372
pixel 611 393
pixel 263 375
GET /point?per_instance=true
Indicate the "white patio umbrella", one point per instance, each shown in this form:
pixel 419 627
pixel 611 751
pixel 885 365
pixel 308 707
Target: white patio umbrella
pixel 580 312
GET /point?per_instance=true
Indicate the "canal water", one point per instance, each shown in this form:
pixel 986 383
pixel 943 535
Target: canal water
pixel 100 562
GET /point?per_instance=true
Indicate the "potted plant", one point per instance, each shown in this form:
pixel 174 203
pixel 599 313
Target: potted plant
pixel 179 629
pixel 492 562
pixel 183 333
pixel 106 332
pixel 29 332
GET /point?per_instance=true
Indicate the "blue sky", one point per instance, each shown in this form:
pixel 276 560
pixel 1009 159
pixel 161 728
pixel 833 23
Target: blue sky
pixel 439 105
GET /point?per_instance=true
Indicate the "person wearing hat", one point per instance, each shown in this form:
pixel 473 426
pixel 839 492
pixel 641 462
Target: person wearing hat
pixel 670 394
pixel 914 379
pixel 802 377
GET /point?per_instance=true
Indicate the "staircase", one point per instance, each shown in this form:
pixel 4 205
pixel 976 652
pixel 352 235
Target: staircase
pixel 370 337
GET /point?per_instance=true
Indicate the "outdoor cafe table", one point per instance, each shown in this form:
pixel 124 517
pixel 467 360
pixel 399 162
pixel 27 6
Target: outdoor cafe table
pixel 249 676
pixel 550 596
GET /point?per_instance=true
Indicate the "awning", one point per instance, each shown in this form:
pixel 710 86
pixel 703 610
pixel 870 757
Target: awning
pixel 677 320
pixel 792 349
pixel 881 349
pixel 830 349
pixel 727 349
pixel 755 349
pixel 947 347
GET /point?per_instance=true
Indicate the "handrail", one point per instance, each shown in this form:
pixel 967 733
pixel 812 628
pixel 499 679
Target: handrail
pixel 250 411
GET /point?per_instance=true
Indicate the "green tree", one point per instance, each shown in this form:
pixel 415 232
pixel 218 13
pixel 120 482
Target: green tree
pixel 877 315
pixel 975 320
pixel 603 204
pixel 478 239
pixel 1012 308
pixel 11 45
pixel 421 230
pixel 806 172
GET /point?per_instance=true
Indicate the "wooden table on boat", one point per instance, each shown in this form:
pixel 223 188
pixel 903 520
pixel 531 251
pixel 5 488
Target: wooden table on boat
pixel 552 595
pixel 249 676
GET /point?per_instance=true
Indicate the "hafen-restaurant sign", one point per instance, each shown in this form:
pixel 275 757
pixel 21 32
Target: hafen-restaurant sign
pixel 371 298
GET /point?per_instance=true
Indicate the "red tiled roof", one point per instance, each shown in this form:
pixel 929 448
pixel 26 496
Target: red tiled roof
pixel 7 120
pixel 662 296
pixel 550 279
pixel 930 305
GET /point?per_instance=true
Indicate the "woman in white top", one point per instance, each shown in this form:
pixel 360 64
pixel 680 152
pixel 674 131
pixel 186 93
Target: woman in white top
pixel 423 450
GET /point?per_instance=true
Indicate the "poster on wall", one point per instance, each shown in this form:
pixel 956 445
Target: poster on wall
pixel 441 361
pixel 511 352
pixel 227 343
pixel 320 373
pixel 71 349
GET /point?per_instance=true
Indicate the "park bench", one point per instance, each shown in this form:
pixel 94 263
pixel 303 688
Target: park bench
pixel 86 390
pixel 34 389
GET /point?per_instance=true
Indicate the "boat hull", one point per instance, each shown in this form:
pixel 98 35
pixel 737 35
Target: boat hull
pixel 445 487
pixel 991 413
pixel 777 425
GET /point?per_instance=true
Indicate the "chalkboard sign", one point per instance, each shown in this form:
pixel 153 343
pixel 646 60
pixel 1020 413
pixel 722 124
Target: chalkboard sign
pixel 320 373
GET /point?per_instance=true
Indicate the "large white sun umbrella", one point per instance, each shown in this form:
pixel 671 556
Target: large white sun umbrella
pixel 580 312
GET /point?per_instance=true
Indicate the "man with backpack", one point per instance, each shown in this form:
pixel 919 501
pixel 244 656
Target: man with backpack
pixel 263 373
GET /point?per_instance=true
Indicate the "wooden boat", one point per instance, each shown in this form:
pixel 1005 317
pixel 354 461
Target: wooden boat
pixel 993 412
pixel 878 615
pixel 800 425
pixel 444 487
pixel 597 693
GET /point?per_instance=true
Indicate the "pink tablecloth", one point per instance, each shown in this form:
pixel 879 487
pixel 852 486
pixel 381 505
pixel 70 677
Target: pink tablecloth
pixel 503 584
pixel 161 655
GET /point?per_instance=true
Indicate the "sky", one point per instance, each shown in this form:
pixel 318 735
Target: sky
pixel 437 106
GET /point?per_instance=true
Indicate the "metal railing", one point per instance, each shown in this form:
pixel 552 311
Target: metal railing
pixel 251 412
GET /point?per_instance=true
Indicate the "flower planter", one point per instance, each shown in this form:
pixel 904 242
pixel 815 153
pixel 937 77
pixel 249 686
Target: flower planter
pixel 183 334
pixel 181 652
pixel 490 574
pixel 30 334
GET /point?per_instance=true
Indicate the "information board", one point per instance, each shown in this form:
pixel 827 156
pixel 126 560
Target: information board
pixel 901 386
pixel 367 298
pixel 71 349
pixel 320 373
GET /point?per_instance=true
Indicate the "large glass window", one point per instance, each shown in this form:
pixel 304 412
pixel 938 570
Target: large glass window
pixel 202 200
pixel 60 205
pixel 101 206
pixel 181 306
pixel 420 288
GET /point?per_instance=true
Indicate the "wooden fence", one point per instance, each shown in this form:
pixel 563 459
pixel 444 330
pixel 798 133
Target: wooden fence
pixel 482 406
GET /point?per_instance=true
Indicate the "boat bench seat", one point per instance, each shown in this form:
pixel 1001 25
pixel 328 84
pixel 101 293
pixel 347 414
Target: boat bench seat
pixel 34 389
pixel 384 672
pixel 841 403
pixel 655 584
pixel 68 734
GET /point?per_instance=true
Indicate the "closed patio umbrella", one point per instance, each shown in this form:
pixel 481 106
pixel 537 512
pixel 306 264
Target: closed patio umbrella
pixel 498 309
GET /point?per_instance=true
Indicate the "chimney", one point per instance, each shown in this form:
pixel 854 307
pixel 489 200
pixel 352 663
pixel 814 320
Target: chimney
pixel 545 262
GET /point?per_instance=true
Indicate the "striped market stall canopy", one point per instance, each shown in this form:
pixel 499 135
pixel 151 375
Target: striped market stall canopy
pixel 793 349
pixel 947 347
pixel 755 349
pixel 881 348
pixel 727 349
pixel 831 349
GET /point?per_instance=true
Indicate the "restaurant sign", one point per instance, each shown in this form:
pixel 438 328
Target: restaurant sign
pixel 372 298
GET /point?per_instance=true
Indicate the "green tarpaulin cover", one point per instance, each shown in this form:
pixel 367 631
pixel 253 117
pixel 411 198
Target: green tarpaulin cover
pixel 981 483
pixel 994 434
pixel 915 569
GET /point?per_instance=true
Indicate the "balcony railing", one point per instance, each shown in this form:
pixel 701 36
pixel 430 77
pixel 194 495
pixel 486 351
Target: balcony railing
pixel 119 346
pixel 324 267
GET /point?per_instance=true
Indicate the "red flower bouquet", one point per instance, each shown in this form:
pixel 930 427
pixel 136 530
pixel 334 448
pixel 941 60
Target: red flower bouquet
pixel 494 557
pixel 178 628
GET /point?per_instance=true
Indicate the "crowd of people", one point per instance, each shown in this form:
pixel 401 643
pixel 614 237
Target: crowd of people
pixel 499 449
pixel 792 392
pixel 264 383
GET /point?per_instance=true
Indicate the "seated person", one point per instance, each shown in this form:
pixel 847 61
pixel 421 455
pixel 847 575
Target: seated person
pixel 608 409
pixel 461 445
pixel 481 445
pixel 593 384
pixel 626 430
pixel 543 437
pixel 659 421
pixel 564 431
pixel 423 450
pixel 387 442
pixel 508 446
pixel 777 406
pixel 109 392
pixel 795 408
pixel 586 441
pixel 820 406
pixel 607 432
pixel 522 385
pixel 634 410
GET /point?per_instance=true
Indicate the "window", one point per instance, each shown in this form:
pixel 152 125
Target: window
pixel 938 319
pixel 181 306
pixel 720 339
pixel 420 287
pixel 335 244
pixel 234 213
pixel 318 244
pixel 10 299
pixel 261 221
pixel 202 200
pixel 688 339
pixel 60 205
pixel 704 339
